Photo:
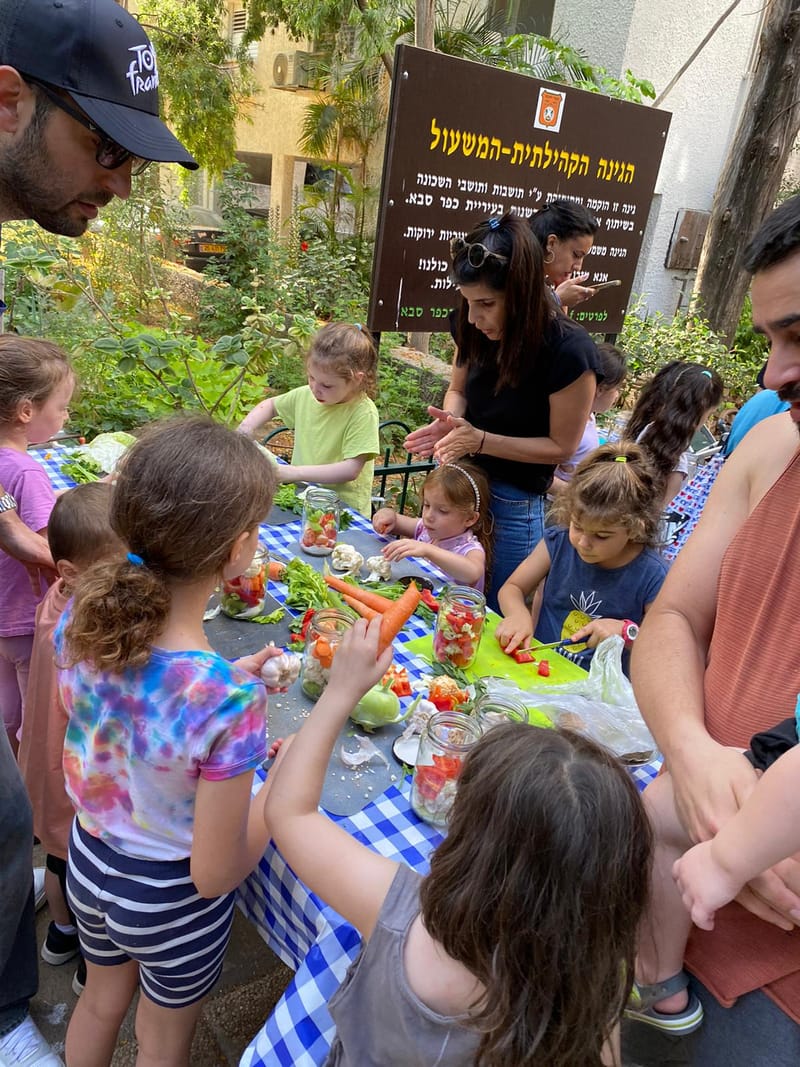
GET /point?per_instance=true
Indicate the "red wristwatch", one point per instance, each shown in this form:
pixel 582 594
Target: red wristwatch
pixel 630 631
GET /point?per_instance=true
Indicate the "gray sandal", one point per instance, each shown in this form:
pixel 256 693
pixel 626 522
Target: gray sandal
pixel 679 1024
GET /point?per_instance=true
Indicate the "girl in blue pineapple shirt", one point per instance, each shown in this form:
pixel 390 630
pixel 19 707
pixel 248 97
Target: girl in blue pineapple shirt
pixel 598 567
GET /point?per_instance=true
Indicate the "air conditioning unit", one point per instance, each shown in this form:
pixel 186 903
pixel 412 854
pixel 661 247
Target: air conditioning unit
pixel 293 70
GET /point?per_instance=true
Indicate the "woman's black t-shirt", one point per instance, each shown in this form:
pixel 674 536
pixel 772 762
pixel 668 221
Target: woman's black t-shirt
pixel 523 410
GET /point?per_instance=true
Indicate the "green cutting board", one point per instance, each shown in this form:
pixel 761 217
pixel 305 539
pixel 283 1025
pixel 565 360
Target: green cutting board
pixel 492 661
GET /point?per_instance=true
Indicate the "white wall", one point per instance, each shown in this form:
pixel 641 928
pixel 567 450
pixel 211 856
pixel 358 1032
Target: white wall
pixel 654 40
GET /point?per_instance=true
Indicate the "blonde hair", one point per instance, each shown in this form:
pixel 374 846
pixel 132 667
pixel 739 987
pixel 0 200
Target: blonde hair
pixel 616 484
pixel 186 490
pixel 30 369
pixel 346 350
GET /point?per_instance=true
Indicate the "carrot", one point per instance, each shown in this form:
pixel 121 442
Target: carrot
pixel 323 652
pixel 364 610
pixel 277 570
pixel 397 615
pixel 372 600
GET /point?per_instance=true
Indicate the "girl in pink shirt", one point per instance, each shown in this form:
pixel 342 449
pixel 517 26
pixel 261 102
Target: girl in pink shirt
pixel 36 384
pixel 454 531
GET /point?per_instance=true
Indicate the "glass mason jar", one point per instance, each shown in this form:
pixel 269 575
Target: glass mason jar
pixel 492 711
pixel 244 597
pixel 320 522
pixel 323 637
pixel 447 738
pixel 459 625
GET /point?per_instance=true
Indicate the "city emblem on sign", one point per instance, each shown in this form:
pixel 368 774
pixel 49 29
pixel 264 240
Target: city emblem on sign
pixel 550 110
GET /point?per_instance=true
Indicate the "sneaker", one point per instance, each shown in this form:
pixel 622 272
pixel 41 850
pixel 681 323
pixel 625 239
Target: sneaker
pixel 39 895
pixel 79 978
pixel 26 1047
pixel 59 947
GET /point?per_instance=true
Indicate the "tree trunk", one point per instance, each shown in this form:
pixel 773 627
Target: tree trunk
pixel 424 16
pixel 751 176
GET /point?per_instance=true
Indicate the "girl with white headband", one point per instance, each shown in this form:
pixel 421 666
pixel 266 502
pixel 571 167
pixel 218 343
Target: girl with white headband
pixel 453 532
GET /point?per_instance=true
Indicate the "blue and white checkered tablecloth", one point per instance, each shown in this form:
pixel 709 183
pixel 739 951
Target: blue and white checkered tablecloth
pixel 51 459
pixel 311 937
pixel 301 929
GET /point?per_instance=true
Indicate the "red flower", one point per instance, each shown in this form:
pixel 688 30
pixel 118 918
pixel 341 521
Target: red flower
pixel 304 246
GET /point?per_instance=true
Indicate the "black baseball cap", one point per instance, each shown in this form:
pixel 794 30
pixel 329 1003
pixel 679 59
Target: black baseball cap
pixel 101 56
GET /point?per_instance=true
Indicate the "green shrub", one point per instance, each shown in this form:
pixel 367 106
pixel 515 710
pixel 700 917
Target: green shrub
pixel 651 341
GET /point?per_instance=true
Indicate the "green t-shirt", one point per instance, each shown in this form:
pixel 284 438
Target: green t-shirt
pixel 329 433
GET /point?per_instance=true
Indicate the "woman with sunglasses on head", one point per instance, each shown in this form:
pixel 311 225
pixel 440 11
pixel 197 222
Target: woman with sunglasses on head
pixel 566 232
pixel 522 384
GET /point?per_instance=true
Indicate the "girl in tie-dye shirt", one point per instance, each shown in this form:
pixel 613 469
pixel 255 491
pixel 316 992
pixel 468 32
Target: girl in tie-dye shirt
pixel 163 737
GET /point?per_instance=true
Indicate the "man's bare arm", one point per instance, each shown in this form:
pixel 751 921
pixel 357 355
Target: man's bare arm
pixel 669 660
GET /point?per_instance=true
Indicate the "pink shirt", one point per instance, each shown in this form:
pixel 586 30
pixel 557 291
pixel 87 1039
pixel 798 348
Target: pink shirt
pixel 461 544
pixel 28 483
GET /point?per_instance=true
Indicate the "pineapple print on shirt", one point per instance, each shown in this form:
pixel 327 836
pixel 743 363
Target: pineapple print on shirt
pixel 587 607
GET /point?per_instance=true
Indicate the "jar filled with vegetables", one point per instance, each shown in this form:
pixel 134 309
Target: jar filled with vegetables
pixel 445 742
pixel 324 635
pixel 320 522
pixel 459 625
pixel 494 710
pixel 243 597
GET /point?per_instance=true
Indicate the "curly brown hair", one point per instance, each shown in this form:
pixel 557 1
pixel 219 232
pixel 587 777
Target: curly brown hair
pixel 184 492
pixel 606 489
pixel 538 890
pixel 346 349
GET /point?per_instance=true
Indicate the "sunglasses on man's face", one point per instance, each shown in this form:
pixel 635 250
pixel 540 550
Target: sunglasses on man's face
pixel 109 154
pixel 477 254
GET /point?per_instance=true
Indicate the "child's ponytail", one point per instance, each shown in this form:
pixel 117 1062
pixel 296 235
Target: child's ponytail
pixel 347 350
pixel 184 493
pixel 118 610
pixel 616 484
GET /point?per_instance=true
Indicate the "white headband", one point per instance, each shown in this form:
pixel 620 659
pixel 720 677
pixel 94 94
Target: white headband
pixel 471 481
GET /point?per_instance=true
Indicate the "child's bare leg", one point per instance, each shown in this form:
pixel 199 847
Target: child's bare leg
pixel 165 1035
pixel 666 925
pixel 59 912
pixel 94 1026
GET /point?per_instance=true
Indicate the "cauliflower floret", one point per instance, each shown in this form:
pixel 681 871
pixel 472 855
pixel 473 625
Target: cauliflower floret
pixel 346 558
pixel 380 569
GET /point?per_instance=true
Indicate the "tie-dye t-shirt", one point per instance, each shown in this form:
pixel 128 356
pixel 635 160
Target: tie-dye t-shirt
pixel 137 743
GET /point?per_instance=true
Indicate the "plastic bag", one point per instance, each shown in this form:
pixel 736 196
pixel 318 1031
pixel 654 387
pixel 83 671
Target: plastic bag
pixel 602 706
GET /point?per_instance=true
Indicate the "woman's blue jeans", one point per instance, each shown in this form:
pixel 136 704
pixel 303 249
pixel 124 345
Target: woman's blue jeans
pixel 518 528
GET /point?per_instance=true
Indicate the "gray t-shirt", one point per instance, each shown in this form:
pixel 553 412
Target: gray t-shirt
pixel 380 1022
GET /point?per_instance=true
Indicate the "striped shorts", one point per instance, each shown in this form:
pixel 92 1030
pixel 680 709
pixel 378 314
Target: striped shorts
pixel 149 911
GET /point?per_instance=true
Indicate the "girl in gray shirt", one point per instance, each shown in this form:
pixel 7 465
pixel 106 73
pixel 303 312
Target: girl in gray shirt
pixel 518 947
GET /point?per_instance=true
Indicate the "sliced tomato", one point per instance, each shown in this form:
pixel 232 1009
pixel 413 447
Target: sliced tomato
pixel 429 600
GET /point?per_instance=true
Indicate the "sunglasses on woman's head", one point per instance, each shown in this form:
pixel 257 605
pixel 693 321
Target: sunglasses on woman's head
pixel 477 254
pixel 109 154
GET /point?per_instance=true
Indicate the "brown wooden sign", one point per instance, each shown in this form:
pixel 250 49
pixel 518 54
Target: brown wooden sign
pixel 468 141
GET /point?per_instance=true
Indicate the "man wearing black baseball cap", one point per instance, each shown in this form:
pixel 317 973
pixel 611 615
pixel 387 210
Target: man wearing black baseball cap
pixel 78 110
pixel 78 116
